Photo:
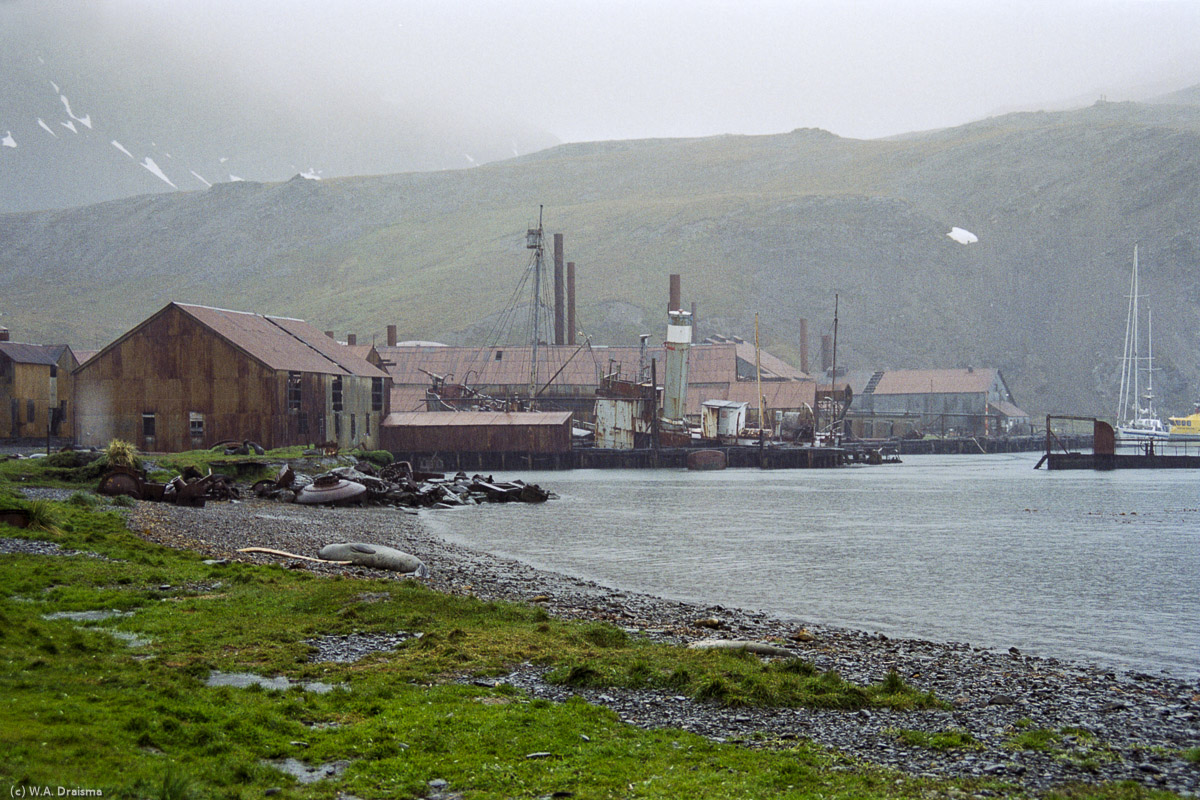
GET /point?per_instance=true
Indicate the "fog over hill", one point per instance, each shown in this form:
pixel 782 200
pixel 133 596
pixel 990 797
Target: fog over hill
pixel 769 224
pixel 94 107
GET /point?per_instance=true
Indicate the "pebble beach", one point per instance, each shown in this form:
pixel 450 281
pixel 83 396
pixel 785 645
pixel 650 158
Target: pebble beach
pixel 1111 726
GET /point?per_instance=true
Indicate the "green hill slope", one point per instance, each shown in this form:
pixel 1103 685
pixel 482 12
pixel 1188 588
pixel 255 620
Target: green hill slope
pixel 768 224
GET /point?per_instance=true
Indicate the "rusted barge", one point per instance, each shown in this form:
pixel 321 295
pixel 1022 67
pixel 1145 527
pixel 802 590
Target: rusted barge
pixel 1104 455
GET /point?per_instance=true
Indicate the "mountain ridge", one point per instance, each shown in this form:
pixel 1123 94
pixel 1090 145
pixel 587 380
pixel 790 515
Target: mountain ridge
pixel 774 224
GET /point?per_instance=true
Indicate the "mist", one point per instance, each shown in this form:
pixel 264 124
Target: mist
pixel 368 86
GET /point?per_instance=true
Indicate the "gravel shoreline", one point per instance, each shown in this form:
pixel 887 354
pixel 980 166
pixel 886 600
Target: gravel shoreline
pixel 1120 726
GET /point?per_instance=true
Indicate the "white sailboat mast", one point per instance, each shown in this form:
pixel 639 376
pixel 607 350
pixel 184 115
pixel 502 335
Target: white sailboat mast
pixel 1127 399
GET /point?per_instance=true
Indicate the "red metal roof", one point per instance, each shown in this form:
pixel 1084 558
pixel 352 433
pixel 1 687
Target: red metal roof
pixel 936 381
pixel 281 343
pixel 773 367
pixel 707 363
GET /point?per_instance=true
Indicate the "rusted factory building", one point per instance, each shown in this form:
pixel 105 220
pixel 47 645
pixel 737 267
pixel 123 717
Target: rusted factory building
pixel 192 376
pixel 569 377
pixel 960 402
pixel 479 439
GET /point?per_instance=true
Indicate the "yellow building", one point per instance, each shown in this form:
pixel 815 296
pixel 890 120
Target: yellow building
pixel 35 389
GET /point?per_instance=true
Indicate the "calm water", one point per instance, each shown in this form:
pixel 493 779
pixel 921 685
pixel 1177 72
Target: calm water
pixel 1095 567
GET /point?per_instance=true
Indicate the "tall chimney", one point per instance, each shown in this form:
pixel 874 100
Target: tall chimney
pixel 3 334
pixel 679 341
pixel 559 335
pixel 804 346
pixel 329 334
pixel 571 302
pixel 391 336
pixel 826 352
pixel 351 339
pixel 674 303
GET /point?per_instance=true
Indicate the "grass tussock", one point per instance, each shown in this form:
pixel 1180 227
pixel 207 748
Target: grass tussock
pixel 120 454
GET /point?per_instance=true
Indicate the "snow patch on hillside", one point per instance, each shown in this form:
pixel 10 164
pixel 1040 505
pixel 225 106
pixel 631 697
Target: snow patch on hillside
pixel 962 236
pixel 157 172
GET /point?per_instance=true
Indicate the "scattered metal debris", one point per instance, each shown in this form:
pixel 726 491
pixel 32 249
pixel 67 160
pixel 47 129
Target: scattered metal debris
pixel 396 484
pixel 189 488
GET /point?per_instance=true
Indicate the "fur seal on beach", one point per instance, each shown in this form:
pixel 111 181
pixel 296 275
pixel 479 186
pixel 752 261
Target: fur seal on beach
pixel 376 556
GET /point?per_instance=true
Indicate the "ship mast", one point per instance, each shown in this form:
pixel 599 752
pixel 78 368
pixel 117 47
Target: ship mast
pixel 533 241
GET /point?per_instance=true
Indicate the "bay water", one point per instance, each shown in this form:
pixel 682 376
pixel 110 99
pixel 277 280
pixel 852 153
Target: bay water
pixel 1096 567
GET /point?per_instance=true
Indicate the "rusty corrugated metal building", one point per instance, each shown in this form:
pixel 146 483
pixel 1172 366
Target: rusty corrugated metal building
pixel 717 370
pixel 479 439
pixel 964 402
pixel 191 376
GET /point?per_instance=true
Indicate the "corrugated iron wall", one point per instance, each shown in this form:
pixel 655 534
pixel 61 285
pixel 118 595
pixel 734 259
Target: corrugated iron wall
pixel 479 438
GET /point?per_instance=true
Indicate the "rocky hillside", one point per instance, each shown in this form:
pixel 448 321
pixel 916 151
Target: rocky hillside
pixel 769 224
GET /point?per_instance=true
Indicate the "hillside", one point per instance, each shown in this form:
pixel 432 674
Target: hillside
pixel 768 224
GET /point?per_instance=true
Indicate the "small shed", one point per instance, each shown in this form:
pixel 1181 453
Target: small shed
pixel 722 418
pixel 35 389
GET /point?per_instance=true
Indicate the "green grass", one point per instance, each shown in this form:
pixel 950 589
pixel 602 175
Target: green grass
pixel 937 740
pixel 79 707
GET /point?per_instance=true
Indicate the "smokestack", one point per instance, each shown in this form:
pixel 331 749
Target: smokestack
pixel 826 353
pixel 351 339
pixel 804 346
pixel 329 334
pixel 679 341
pixel 559 335
pixel 391 336
pixel 674 303
pixel 3 334
pixel 571 302
pixel 693 314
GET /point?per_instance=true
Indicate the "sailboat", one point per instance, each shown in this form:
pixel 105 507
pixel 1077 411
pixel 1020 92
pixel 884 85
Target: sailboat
pixel 1136 418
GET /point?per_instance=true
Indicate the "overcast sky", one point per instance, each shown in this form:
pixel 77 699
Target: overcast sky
pixel 614 69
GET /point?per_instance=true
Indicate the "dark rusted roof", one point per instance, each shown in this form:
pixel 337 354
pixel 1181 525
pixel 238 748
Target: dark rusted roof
pixel 1009 410
pixel 47 354
pixel 281 343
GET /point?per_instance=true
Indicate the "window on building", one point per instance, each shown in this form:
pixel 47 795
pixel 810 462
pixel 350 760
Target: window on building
pixel 337 426
pixel 30 410
pixel 377 394
pixel 293 391
pixel 302 423
pixel 499 355
pixel 53 371
pixel 148 424
pixel 353 428
pixel 337 393
pixel 196 425
pixel 368 424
